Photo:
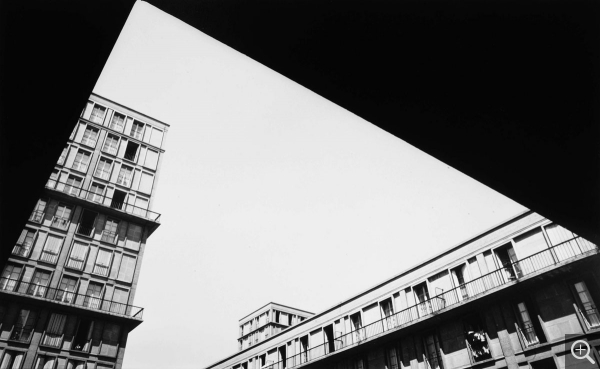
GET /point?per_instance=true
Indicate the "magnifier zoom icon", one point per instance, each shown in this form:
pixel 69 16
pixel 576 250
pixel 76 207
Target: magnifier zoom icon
pixel 581 350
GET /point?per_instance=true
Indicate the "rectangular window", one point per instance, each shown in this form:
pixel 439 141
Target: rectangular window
pixel 62 217
pixel 83 337
pixel 93 295
pixel 38 213
pixel 54 331
pixel 119 301
pixel 141 205
pixel 51 249
pixel 433 354
pixel 131 151
pixel 127 268
pixel 12 360
pixel 103 168
pixel 39 283
pixel 134 236
pixel 588 308
pixel 51 183
pixel 86 223
pixel 111 144
pixel 110 340
pixel 73 185
pixel 10 277
pixel 90 136
pixel 109 234
pixel 118 122
pixel 102 265
pixel 66 290
pixel 151 160
pixel 125 176
pixel 63 156
pixel 97 115
pixel 96 192
pixel 45 362
pixel 75 364
pixel 527 330
pixel 82 161
pixel 146 183
pixel 78 254
pixel 25 243
pixel 23 328
pixel 157 136
pixel 137 130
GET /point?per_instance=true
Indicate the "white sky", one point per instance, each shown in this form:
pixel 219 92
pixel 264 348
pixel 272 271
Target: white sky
pixel 268 192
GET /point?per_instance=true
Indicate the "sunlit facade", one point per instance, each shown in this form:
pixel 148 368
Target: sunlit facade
pixel 505 298
pixel 67 290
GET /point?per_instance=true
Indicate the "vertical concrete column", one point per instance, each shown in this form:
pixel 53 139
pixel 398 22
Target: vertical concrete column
pixel 503 337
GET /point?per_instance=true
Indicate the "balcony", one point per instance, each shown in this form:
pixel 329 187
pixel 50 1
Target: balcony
pixel 564 252
pixel 104 201
pixel 64 296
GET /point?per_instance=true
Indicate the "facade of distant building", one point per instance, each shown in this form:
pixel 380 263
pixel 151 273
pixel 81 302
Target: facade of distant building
pixel 268 321
pixel 67 290
pixel 507 298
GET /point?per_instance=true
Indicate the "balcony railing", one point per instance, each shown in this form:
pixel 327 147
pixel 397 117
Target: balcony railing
pixel 48 256
pixel 59 222
pixel 68 297
pixel 528 335
pixel 511 272
pixel 106 201
pixel 22 249
pixel 590 317
pixel 37 216
pixel 85 231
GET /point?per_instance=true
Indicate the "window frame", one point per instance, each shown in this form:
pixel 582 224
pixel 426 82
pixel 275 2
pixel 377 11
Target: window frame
pixel 19 242
pixel 110 262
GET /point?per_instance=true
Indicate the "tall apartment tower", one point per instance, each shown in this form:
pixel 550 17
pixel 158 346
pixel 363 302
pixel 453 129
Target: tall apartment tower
pixel 67 290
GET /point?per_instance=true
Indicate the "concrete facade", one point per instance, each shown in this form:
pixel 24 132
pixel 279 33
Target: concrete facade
pixel 505 298
pixel 67 290
pixel 268 321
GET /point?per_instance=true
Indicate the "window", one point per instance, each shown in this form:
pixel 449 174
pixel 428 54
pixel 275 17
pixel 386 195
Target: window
pixel 392 358
pixel 137 130
pixel 54 331
pixel 102 265
pixel 151 160
pixel 432 351
pixel 476 338
pixel 45 362
pixel 63 156
pixel 25 243
pixel 119 301
pixel 587 306
pixel 527 329
pixel 157 136
pixel 118 122
pixel 73 185
pixel 125 176
pixel 10 277
pixel 422 297
pixel 82 161
pixel 355 326
pixel 77 257
pixel 53 179
pixel 38 213
pixel 39 283
pixel 134 236
pixel 96 193
pixel 97 115
pixel 111 144
pixel 141 205
pixel 51 249
pixel 83 337
pixel 109 234
pixel 146 183
pixel 110 340
pixel 62 217
pixel 67 289
pixel 388 313
pixel 131 151
pixel 118 200
pixel 103 168
pixel 90 136
pixel 86 224
pixel 75 364
pixel 127 268
pixel 93 295
pixel 23 328
pixel 12 360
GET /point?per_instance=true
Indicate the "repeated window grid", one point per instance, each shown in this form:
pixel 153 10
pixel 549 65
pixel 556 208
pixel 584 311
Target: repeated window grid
pixel 118 122
pixel 12 359
pixel 103 168
pixel 10 277
pixel 23 328
pixel 137 130
pixel 54 331
pixel 90 136
pixel 109 234
pixel 125 176
pixel 78 255
pixel 96 192
pixel 62 217
pixel 102 264
pixel 38 213
pixel 97 115
pixel 51 183
pixel 93 295
pixel 66 290
pixel 82 161
pixel 51 249
pixel 39 283
pixel 111 144
pixel 73 185
pixel 63 156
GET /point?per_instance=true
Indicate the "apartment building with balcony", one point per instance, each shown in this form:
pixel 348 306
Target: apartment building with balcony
pixel 506 298
pixel 67 290
pixel 267 321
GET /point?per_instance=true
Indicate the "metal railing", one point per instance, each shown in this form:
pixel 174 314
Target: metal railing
pixel 37 216
pixel 85 231
pixel 60 223
pixel 528 335
pixel 590 317
pixel 68 297
pixel 108 236
pixel 105 201
pixel 467 291
pixel 48 256
pixel 22 249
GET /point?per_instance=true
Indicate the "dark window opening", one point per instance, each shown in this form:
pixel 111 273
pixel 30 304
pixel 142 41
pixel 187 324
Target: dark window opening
pixel 508 261
pixel 86 225
pixel 330 347
pixel 81 341
pixel 131 150
pixel 282 358
pixel 476 338
pixel 118 200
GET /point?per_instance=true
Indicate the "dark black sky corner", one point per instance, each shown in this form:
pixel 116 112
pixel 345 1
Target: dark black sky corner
pixel 506 92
